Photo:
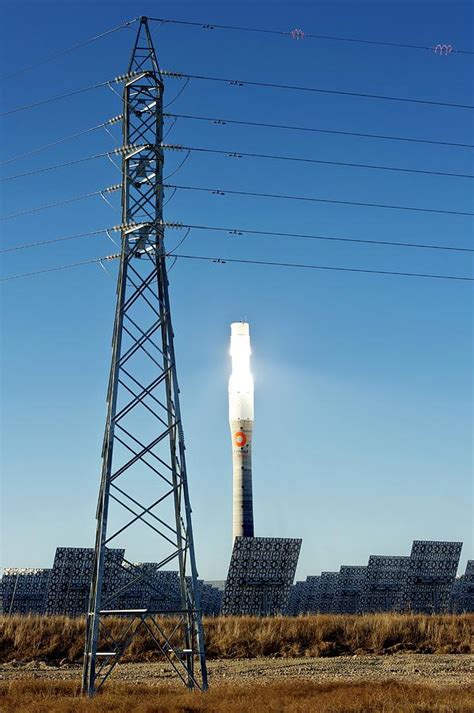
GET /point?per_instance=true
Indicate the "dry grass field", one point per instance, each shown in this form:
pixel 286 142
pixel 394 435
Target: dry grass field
pixel 28 638
pixel 277 697
pixel 311 664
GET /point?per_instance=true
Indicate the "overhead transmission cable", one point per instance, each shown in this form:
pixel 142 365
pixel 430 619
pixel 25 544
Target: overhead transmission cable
pixel 242 83
pixel 26 246
pixel 295 87
pixel 117 80
pixel 299 159
pixel 170 198
pixel 280 196
pixel 179 167
pixel 61 203
pixel 177 96
pixel 247 231
pixel 56 166
pixel 321 267
pixel 179 243
pixel 300 34
pixel 306 236
pixel 242 154
pixel 223 192
pixel 61 53
pixel 222 121
pixel 60 267
pixel 59 141
pixel 265 263
pixel 53 99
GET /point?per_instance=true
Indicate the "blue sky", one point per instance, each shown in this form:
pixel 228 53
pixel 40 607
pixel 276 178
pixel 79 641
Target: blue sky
pixel 363 383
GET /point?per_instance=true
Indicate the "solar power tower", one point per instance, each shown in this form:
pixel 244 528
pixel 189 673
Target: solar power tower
pixel 144 481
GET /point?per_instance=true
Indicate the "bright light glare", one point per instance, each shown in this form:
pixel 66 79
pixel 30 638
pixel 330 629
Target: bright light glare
pixel 241 380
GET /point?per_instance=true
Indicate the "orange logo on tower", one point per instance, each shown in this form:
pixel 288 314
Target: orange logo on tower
pixel 240 439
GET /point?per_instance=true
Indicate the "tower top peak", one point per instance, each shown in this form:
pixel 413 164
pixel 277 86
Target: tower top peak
pixel 143 54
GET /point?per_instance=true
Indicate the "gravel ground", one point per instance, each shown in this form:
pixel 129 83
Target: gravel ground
pixel 423 668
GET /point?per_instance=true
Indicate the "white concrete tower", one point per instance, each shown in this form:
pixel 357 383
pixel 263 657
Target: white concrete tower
pixel 241 427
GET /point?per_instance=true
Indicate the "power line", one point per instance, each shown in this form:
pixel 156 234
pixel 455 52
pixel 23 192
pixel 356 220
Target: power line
pixel 243 154
pixel 60 203
pixel 270 233
pixel 299 34
pixel 232 121
pixel 266 263
pixel 239 82
pixel 223 192
pixel 60 267
pixel 57 165
pixel 53 99
pixel 53 240
pixel 299 159
pixel 69 49
pixel 246 231
pixel 58 141
pixel 221 121
pixel 178 245
pixel 293 87
pixel 177 96
pixel 117 80
pixel 322 267
pixel 280 196
pixel 178 168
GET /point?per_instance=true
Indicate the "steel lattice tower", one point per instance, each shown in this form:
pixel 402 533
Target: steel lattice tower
pixel 143 449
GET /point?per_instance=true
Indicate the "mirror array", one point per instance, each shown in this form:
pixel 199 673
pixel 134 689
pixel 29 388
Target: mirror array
pixel 69 584
pixel 143 585
pixel 260 582
pixel 326 593
pixel 261 574
pixel 350 584
pixel 384 583
pixel 462 598
pixel 430 576
pixel 423 582
pixel 298 599
pixel 24 591
pixel 64 589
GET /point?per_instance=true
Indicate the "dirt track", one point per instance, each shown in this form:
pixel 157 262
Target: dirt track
pixel 423 668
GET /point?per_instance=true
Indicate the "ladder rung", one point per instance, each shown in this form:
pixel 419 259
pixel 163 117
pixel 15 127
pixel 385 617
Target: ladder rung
pixel 123 611
pixel 106 653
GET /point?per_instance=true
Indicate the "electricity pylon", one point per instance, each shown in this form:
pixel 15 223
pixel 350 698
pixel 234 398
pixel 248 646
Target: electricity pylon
pixel 144 481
